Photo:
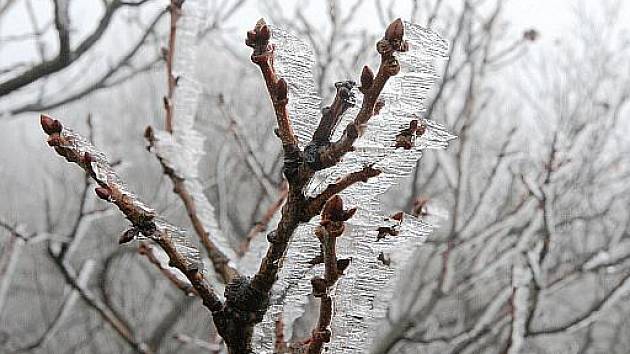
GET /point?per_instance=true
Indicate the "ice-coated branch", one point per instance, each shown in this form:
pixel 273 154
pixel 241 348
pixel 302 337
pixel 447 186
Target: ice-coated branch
pixel 153 254
pixel 182 255
pixel 371 87
pixel 175 11
pixel 220 261
pixel 258 39
pixel 316 203
pixel 179 147
pixel 331 227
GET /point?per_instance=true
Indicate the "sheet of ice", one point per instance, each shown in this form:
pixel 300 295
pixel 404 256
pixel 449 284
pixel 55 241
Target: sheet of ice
pixel 362 295
pixel 183 150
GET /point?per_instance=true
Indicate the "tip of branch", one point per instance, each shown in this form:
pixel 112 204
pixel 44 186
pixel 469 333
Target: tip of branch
pixel 258 38
pixel 49 125
pixel 103 193
pixel 395 30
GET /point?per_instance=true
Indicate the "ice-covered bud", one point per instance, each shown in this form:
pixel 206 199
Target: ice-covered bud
pixel 367 78
pixel 128 235
pixel 50 126
pixel 395 30
pixel 103 193
pixel 264 33
pixel 342 265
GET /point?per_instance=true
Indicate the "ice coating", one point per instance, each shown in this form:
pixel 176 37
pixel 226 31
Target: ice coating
pixel 294 61
pixel 362 295
pixel 182 151
pixel 102 172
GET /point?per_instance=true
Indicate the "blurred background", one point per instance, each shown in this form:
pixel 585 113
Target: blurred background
pixel 531 200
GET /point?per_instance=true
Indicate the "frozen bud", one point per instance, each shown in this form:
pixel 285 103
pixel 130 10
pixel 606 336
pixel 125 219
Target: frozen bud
pixel 392 67
pixel 413 125
pixel 398 216
pixel 128 235
pixel 378 106
pixel 367 78
pixel 342 264
pixel 530 35
pixel 319 286
pixel 87 157
pixel 251 37
pixel 385 260
pixel 50 126
pixel 333 209
pixel 103 193
pixel 261 22
pixel 395 30
pixel 281 89
pixel 148 132
pixel 264 33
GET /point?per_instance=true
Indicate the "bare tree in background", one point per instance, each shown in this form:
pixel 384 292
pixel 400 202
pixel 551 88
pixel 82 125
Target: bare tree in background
pixel 50 78
pixel 531 257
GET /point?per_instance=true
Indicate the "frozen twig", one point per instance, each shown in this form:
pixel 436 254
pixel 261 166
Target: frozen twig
pixel 173 169
pixel 331 227
pixel 76 149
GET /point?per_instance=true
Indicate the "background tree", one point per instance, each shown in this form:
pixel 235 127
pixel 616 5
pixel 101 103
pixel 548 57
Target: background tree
pixel 518 102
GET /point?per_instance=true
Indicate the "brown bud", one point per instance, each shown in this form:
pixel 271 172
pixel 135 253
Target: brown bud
pixel 378 106
pixel 395 30
pixel 261 22
pixel 333 209
pixel 264 33
pixel 50 126
pixel 386 261
pixel 148 132
pixel 128 235
pixel 103 193
pixel 413 125
pixel 530 35
pixel 251 37
pixel 349 213
pixel 342 264
pixel 87 157
pixel 398 216
pixel 281 89
pixel 392 67
pixel 367 78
